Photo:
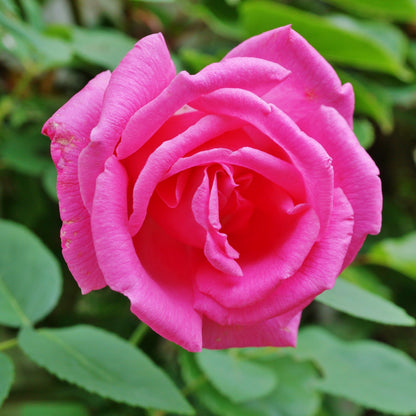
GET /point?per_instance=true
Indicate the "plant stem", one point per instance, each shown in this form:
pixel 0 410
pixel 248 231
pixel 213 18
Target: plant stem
pixel 10 343
pixel 138 334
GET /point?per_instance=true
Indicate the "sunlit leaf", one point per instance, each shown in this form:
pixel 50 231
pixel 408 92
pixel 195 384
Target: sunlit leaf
pixel 400 10
pixel 364 45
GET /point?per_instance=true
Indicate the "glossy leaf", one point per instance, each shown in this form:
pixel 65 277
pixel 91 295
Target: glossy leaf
pixel 234 377
pixel 368 373
pixel 103 363
pixel 364 45
pixel 6 376
pixel 400 10
pixel 353 300
pixel 30 277
pixel 397 253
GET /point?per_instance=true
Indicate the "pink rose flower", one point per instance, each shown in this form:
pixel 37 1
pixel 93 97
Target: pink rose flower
pixel 222 203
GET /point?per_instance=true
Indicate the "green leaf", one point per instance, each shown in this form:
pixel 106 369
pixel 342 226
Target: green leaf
pixel 103 47
pixel 368 373
pixel 404 96
pixel 195 59
pixel 53 409
pixel 49 181
pixel 33 13
pixel 364 131
pixel 353 300
pixel 234 377
pixel 222 26
pixel 48 52
pixel 397 10
pixel 26 151
pixel 294 395
pixel 397 253
pixel 364 45
pixel 365 278
pixel 206 393
pixel 103 363
pixel 6 376
pixel 371 100
pixel 30 277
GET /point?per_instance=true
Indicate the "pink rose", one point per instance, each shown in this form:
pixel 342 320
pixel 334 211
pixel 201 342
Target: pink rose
pixel 219 203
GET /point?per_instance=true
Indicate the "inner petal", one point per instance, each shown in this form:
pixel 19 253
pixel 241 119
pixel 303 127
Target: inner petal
pixel 205 207
pixel 272 245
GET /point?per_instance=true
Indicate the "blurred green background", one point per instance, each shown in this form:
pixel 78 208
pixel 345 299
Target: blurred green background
pixel 50 49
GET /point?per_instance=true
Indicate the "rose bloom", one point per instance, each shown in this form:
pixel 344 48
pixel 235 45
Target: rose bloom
pixel 221 203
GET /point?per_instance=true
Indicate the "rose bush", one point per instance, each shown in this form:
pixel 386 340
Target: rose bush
pixel 222 203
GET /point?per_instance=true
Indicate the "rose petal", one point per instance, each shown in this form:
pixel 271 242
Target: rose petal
pixel 141 75
pixel 275 170
pixel 272 250
pixel 160 161
pixel 307 155
pixel 205 208
pixel 312 81
pixel 318 273
pixel 276 332
pixel 354 172
pixel 253 74
pixel 165 304
pixel 70 128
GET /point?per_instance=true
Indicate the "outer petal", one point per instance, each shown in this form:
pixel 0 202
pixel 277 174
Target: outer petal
pixel 312 81
pixel 318 273
pixel 276 332
pixel 142 74
pixel 354 172
pixel 69 128
pixel 165 305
